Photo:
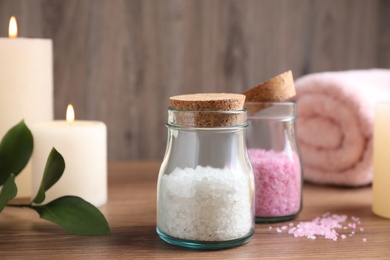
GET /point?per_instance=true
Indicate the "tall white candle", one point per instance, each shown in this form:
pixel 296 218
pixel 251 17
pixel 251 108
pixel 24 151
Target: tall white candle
pixel 83 144
pixel 381 180
pixel 26 89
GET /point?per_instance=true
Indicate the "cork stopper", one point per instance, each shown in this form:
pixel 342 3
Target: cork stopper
pixel 208 109
pixel 277 89
pixel 208 101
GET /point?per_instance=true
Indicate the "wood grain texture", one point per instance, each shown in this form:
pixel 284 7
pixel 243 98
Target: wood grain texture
pixel 131 213
pixel 119 61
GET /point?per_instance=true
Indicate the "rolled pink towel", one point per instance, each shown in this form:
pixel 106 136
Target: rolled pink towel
pixel 335 124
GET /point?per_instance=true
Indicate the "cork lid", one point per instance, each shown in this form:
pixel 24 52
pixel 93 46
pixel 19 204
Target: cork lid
pixel 207 110
pixel 208 101
pixel 279 88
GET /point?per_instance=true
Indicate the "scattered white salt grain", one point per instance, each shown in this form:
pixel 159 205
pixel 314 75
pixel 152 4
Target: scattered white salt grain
pixel 361 229
pixel 284 227
pixel 353 232
pixel 364 239
pixel 291 224
pixel 278 230
pixel 343 236
pixel 345 227
pixel 269 227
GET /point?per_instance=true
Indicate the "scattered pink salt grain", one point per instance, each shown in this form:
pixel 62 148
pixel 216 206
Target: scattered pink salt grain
pixel 324 226
pixel 352 225
pixel 278 183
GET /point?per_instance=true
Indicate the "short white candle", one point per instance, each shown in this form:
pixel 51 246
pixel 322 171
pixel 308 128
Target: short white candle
pixel 26 88
pixel 381 180
pixel 83 144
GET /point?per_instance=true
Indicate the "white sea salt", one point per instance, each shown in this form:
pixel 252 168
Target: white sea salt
pixel 205 204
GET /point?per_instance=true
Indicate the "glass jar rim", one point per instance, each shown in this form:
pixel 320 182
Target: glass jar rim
pixel 281 103
pixel 278 111
pixel 207 119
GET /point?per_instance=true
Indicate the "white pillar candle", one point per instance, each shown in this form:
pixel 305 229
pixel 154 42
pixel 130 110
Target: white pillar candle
pixel 381 180
pixel 26 89
pixel 83 144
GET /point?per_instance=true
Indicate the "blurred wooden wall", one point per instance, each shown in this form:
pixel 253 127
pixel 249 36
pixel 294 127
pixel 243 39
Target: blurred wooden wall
pixel 118 61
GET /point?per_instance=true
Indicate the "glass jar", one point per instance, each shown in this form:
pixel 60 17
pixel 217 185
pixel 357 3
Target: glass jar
pixel 205 186
pixel 274 155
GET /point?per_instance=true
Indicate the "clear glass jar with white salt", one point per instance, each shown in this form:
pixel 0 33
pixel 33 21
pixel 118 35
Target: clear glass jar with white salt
pixel 275 158
pixel 205 186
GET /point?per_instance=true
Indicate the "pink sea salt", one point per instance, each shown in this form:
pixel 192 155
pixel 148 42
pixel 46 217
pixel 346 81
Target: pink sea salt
pixel 278 183
pixel 352 225
pixel 324 226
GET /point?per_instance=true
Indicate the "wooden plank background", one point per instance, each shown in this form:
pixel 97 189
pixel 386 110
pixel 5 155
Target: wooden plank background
pixel 118 61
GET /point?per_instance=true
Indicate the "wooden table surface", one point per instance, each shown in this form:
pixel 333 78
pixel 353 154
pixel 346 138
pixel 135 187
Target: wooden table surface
pixel 131 213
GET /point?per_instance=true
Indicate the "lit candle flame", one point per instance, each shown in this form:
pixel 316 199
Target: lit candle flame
pixel 70 114
pixel 13 28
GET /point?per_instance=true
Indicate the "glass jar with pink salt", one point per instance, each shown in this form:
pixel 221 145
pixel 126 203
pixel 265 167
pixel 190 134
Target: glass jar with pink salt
pixel 274 154
pixel 205 184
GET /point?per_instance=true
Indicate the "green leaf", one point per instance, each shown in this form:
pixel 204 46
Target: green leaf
pixel 55 166
pixel 15 150
pixel 8 192
pixel 75 215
